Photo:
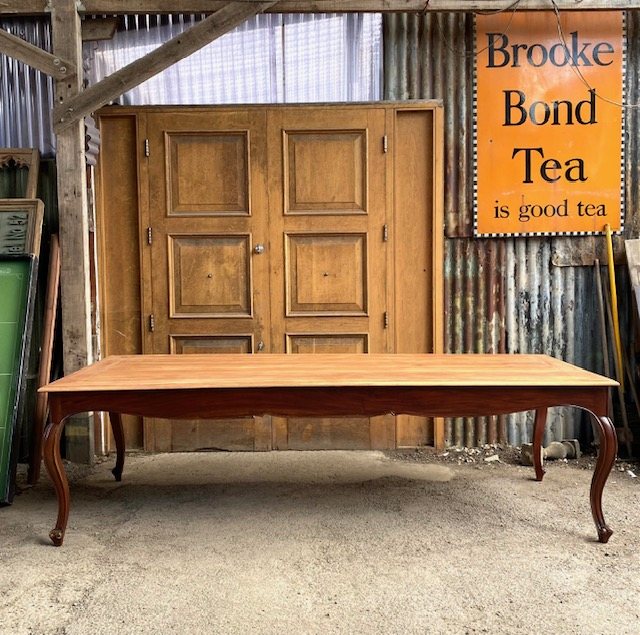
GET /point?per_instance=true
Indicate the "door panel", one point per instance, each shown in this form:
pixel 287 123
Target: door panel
pixel 210 287
pixel 327 343
pixel 204 344
pixel 191 190
pixel 327 210
pixel 326 274
pixel 210 276
pixel 341 187
pixel 414 296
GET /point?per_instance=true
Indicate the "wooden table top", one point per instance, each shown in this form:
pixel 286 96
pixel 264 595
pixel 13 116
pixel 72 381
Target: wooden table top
pixel 181 372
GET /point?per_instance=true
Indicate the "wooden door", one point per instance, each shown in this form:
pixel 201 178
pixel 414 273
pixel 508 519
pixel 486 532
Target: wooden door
pixel 295 229
pixel 329 276
pixel 207 273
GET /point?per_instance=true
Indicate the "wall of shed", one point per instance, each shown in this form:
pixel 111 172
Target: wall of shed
pixel 514 295
pixel 26 94
pixel 501 295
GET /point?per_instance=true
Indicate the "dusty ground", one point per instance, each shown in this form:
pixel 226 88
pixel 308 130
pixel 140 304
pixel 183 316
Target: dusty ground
pixel 323 542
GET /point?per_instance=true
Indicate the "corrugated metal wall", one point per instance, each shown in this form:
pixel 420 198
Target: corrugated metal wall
pixel 507 295
pixel 26 94
pixel 515 295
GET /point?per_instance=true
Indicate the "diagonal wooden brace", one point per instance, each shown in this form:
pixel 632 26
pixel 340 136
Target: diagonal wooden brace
pixel 49 64
pixel 181 46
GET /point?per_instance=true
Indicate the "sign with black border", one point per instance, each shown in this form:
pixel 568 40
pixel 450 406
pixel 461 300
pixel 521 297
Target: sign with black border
pixel 549 123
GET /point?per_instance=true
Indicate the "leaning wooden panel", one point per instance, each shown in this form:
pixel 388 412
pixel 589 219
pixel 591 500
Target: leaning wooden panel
pixel 18 276
pixel 46 355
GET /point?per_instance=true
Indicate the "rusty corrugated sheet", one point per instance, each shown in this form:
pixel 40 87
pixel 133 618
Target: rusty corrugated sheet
pixel 502 295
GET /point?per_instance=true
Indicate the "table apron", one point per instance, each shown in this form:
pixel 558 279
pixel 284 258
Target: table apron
pixel 339 401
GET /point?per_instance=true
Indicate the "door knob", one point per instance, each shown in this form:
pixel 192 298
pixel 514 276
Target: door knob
pixel 258 249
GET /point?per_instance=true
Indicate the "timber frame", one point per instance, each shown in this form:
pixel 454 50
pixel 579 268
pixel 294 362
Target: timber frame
pixel 73 103
pixel 123 7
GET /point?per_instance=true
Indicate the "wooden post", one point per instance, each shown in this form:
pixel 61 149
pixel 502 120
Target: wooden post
pixel 74 226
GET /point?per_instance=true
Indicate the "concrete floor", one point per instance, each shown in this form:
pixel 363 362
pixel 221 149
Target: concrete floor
pixel 322 542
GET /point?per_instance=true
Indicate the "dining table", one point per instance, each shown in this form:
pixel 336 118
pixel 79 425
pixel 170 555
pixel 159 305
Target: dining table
pixel 328 385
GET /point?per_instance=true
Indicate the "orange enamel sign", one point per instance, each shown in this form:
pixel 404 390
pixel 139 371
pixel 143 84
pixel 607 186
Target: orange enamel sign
pixel 548 137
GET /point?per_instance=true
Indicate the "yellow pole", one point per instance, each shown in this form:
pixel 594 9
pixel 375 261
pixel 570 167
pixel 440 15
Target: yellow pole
pixel 614 306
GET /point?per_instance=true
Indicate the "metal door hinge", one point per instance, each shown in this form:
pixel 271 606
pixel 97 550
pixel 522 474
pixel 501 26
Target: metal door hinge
pixel 146 148
pixel 385 144
pixel 152 323
pixel 385 233
pixel 149 235
pixel 386 319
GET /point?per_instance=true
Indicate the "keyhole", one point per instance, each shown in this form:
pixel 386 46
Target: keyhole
pixel 209 275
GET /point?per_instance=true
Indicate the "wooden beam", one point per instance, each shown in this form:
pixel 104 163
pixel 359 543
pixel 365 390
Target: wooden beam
pixel 13 46
pixel 73 214
pixel 122 7
pixel 98 29
pixel 234 13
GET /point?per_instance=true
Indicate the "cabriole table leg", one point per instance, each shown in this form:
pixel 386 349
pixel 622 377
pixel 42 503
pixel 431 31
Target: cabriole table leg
pixel 118 435
pixel 538 434
pixel 53 463
pixel 606 459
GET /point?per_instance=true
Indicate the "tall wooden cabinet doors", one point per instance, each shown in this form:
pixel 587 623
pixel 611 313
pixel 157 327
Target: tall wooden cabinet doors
pixel 262 229
pixel 327 214
pixel 329 266
pixel 205 275
pixel 205 268
pixel 266 233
